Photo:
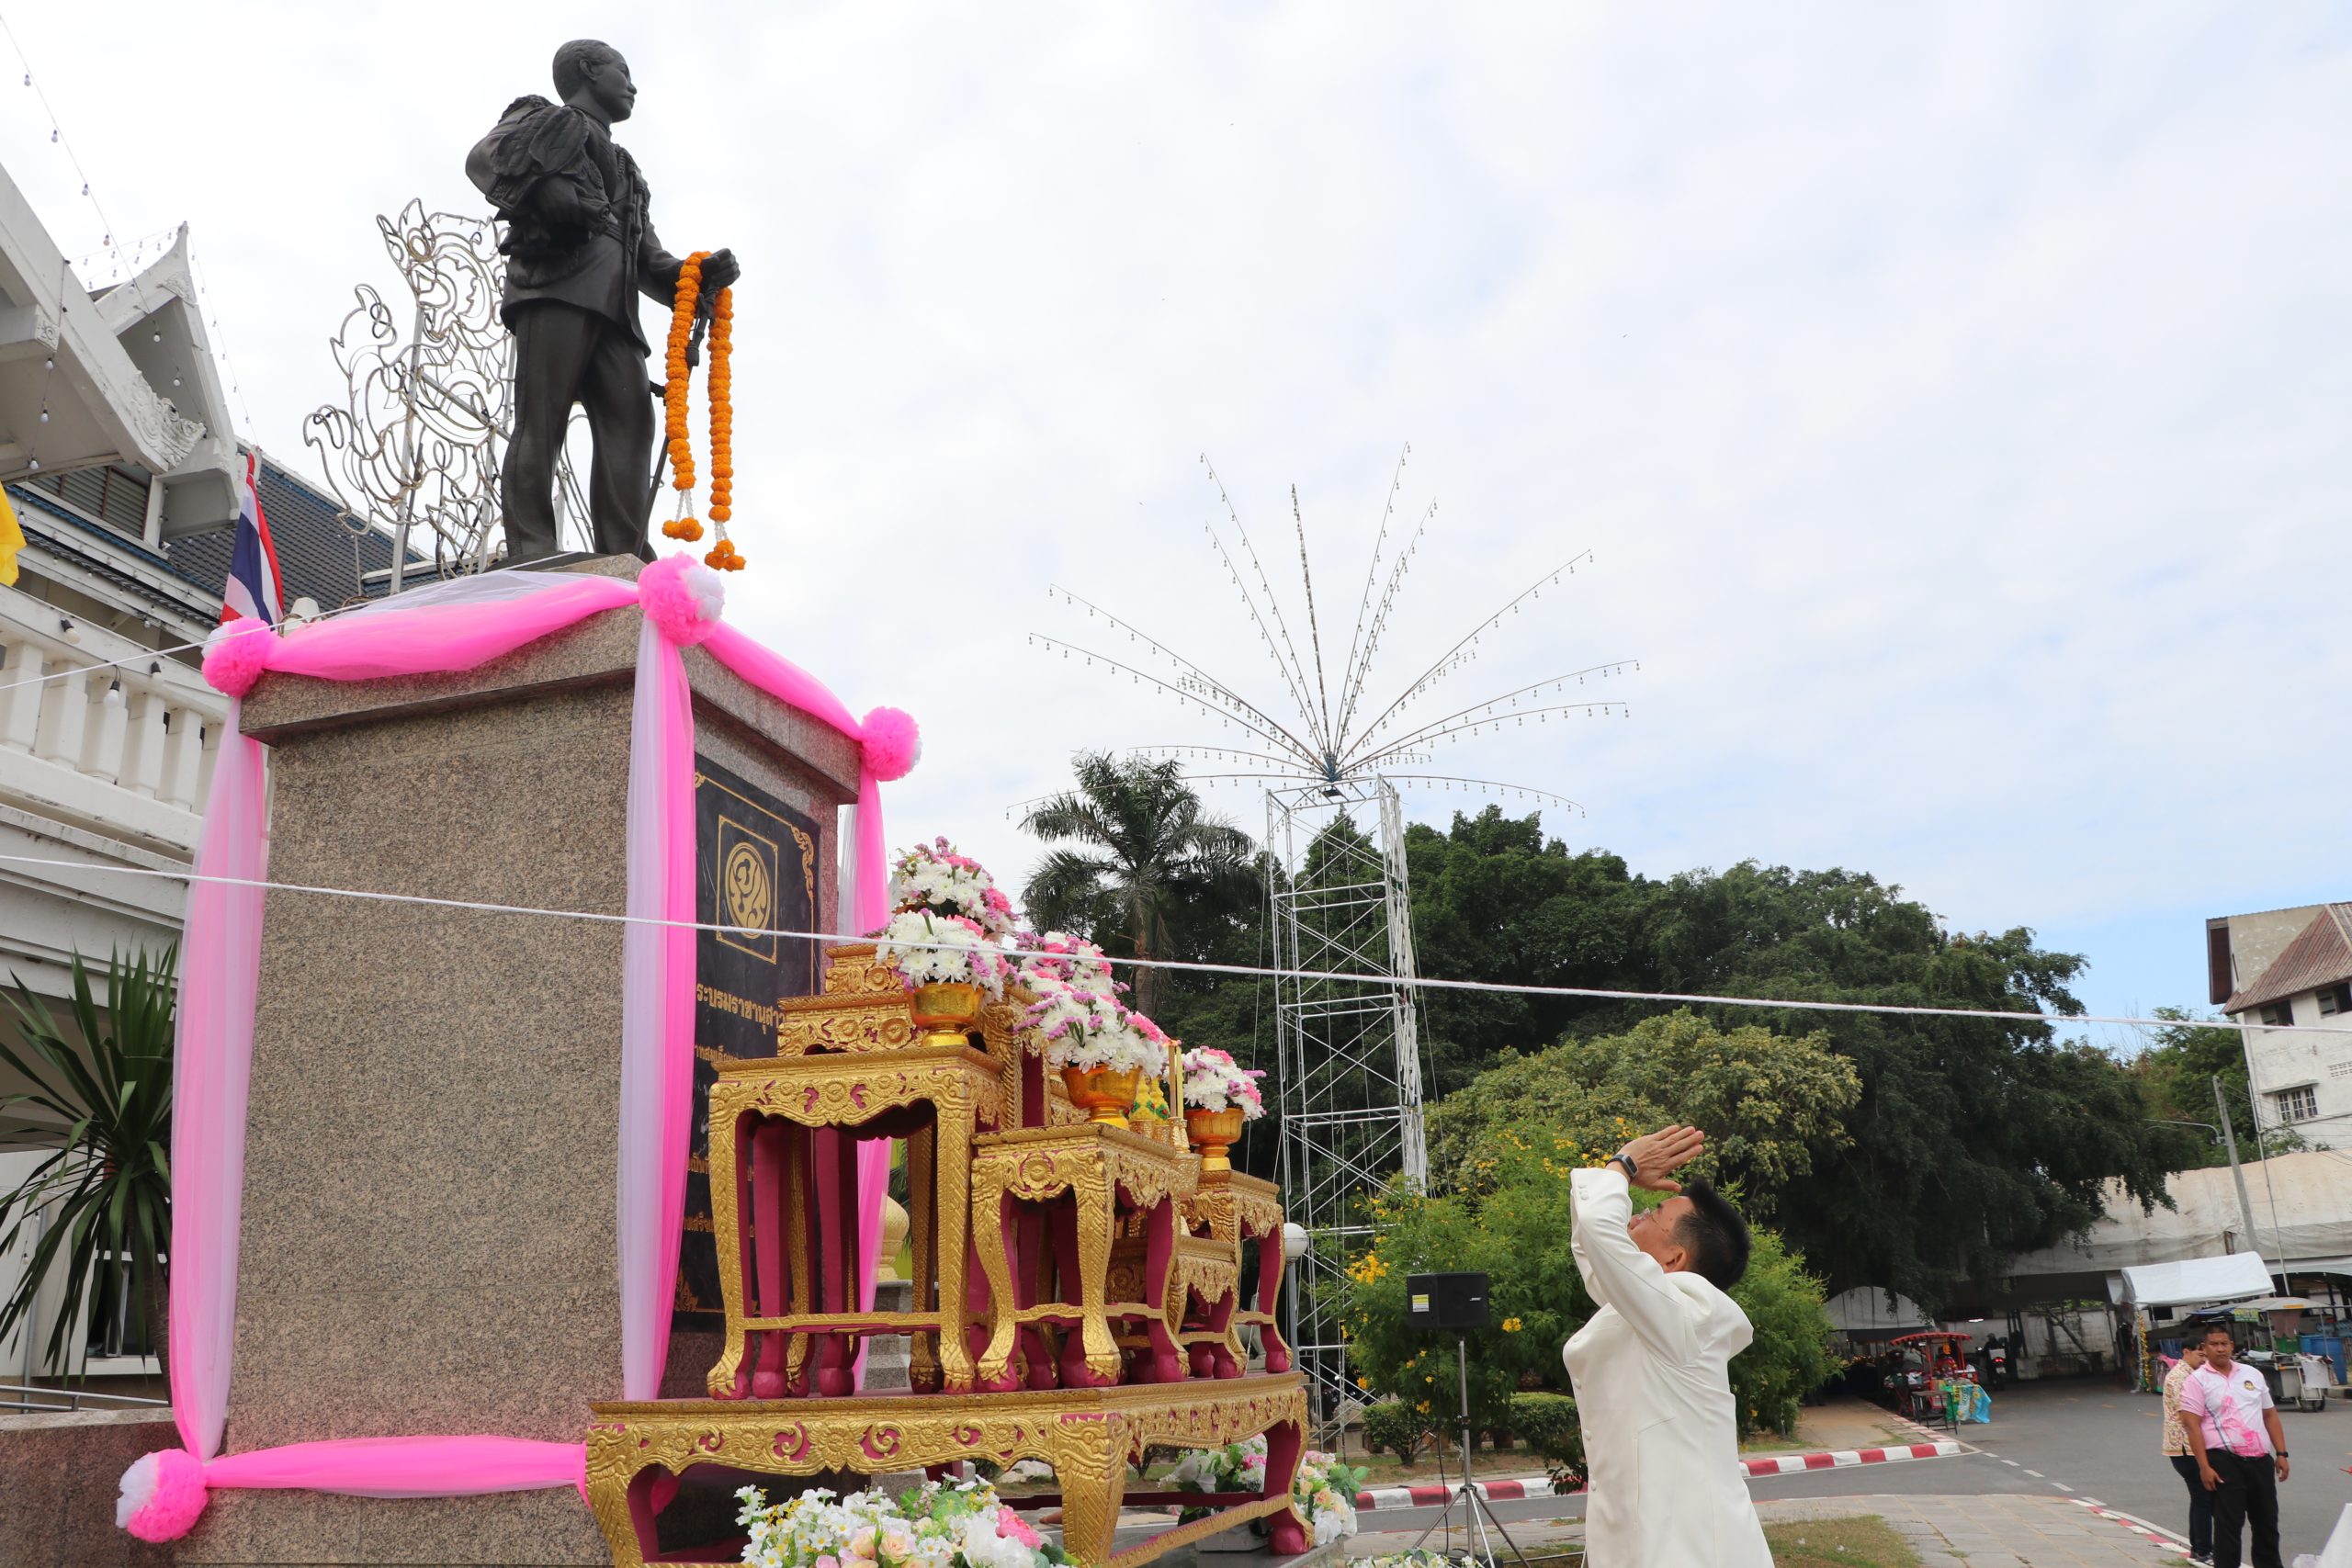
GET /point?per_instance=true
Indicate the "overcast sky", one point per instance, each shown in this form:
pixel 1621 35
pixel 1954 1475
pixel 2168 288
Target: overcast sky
pixel 1955 400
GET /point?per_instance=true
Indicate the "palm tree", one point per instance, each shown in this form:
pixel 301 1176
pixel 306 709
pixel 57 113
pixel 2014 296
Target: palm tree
pixel 108 1187
pixel 1143 856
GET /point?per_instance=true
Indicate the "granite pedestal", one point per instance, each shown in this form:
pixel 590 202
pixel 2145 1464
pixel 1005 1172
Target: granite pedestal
pixel 430 1173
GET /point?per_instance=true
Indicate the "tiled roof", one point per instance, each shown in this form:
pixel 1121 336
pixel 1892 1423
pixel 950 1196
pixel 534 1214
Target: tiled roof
pixel 318 557
pixel 2320 955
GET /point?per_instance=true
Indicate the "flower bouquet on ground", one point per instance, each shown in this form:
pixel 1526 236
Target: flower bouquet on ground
pixel 942 1525
pixel 1324 1489
pixel 1100 1049
pixel 1220 1094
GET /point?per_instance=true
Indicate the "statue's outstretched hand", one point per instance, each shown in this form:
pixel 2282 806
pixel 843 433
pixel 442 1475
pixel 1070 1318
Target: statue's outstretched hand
pixel 719 270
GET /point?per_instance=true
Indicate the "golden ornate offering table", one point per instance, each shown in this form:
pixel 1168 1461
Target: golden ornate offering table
pixel 1097 1172
pixel 1237 1210
pixel 1090 1435
pixel 936 1096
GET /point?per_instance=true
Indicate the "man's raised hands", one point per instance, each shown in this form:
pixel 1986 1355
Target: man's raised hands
pixel 1658 1156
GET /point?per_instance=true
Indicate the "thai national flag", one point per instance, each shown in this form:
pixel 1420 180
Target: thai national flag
pixel 253 587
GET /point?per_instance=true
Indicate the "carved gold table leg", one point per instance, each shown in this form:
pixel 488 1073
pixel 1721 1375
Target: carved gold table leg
pixel 1092 1188
pixel 726 1204
pixel 923 1349
pixel 1091 1458
pixel 988 1240
pixel 954 1122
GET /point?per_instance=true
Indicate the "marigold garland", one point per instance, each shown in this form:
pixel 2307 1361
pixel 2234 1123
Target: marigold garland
pixel 723 556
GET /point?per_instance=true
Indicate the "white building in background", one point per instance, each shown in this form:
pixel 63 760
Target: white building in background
pixel 121 462
pixel 2290 966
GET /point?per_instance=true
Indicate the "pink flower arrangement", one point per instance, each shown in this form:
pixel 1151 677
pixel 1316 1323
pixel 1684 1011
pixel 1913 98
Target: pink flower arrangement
pixel 934 877
pixel 1087 1029
pixel 1215 1081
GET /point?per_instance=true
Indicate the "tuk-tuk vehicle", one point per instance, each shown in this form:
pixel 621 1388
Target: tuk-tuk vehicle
pixel 1925 1364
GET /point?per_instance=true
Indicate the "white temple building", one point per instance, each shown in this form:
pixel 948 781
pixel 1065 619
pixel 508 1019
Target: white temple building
pixel 121 465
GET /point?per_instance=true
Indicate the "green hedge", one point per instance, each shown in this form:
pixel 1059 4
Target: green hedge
pixel 1547 1424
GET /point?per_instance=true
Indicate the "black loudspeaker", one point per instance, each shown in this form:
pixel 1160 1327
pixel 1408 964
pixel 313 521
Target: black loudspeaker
pixel 1446 1300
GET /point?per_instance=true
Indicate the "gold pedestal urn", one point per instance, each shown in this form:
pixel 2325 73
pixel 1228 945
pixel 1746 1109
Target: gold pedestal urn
pixel 1103 1094
pixel 948 1012
pixel 1212 1133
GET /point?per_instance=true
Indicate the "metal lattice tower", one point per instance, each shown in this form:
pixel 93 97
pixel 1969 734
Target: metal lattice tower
pixel 1347 1056
pixel 1348 1052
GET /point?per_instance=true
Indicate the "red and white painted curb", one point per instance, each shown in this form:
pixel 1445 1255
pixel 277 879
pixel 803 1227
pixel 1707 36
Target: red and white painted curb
pixel 1433 1497
pixel 1777 1465
pixel 1839 1458
pixel 2136 1525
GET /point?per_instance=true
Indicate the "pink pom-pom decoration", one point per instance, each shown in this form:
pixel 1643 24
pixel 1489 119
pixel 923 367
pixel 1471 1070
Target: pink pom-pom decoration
pixel 682 598
pixel 893 744
pixel 236 655
pixel 162 1494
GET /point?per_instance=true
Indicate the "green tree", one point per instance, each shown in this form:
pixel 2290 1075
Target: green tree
pixel 1516 1232
pixel 107 1187
pixel 1493 899
pixel 1972 1140
pixel 2176 1072
pixel 1766 1102
pixel 1143 859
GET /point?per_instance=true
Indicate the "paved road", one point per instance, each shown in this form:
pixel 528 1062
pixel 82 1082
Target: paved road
pixel 2093 1436
pixel 2075 1438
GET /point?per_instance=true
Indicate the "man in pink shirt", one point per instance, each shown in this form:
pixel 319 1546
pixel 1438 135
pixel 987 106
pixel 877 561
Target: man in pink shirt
pixel 2232 1424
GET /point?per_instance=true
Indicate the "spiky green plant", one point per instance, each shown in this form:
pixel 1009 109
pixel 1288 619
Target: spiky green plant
pixel 108 1187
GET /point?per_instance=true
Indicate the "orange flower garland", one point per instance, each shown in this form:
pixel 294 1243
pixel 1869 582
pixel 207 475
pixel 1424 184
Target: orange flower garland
pixel 723 556
pixel 674 395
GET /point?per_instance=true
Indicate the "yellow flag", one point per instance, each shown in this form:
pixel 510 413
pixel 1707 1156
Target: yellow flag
pixel 12 539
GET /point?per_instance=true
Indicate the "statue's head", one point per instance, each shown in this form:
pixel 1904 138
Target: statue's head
pixel 587 69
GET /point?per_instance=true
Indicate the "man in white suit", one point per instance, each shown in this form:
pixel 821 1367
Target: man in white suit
pixel 1650 1369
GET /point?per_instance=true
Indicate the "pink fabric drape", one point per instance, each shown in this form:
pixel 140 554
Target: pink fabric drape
pixel 212 1064
pixel 448 631
pixel 442 638
pixel 657 1008
pixel 780 678
pixel 789 684
pixel 405 1467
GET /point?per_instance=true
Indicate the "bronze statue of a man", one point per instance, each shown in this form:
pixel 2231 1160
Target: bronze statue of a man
pixel 580 249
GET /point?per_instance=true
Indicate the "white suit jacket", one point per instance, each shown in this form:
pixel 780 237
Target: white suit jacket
pixel 1653 1390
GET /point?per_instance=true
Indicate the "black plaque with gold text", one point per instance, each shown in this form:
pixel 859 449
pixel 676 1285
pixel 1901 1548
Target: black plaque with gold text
pixel 755 864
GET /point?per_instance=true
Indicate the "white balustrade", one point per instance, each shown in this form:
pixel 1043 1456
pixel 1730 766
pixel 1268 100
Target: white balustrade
pixel 21 674
pixel 100 732
pixel 65 716
pixel 183 756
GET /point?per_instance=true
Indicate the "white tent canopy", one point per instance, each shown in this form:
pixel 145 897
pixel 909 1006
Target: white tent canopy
pixel 2192 1281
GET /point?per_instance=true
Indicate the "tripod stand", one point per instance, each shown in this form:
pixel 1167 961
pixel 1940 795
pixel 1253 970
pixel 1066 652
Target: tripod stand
pixel 1477 1516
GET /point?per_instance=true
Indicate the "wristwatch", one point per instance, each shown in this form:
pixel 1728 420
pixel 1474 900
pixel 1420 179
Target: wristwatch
pixel 1632 1171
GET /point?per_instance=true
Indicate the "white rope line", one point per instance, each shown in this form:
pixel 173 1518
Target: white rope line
pixel 1239 971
